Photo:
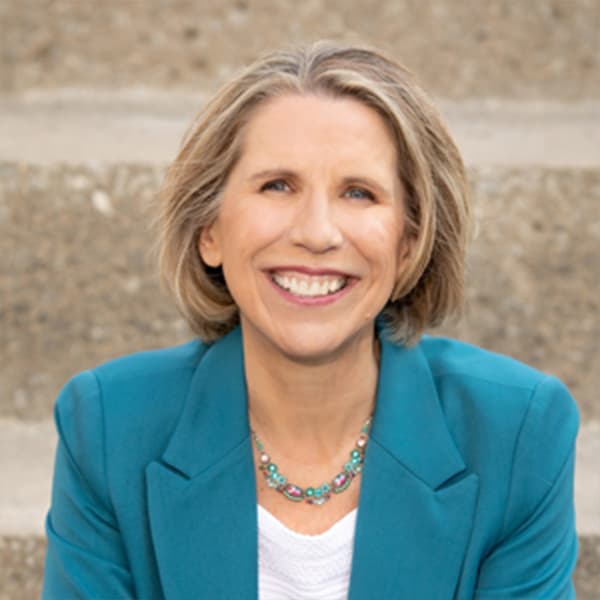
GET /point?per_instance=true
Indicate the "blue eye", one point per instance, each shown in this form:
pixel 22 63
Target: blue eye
pixel 277 185
pixel 360 194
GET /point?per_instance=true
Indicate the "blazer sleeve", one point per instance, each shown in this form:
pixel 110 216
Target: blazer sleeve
pixel 537 551
pixel 85 555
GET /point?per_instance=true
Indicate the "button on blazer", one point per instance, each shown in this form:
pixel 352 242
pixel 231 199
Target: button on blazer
pixel 466 492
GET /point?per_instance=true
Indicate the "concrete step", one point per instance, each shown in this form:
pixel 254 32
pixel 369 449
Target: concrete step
pixel 533 49
pixel 146 126
pixel 26 459
pixel 79 285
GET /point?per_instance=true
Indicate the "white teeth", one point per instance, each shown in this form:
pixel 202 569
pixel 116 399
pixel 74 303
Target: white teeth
pixel 335 285
pixel 309 286
pixel 315 288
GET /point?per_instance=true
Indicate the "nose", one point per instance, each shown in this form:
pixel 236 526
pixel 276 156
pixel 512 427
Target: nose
pixel 315 225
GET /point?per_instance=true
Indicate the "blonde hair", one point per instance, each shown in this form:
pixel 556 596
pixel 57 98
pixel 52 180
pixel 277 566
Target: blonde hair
pixel 429 166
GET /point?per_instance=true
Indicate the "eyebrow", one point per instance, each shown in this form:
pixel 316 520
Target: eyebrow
pixel 349 180
pixel 273 173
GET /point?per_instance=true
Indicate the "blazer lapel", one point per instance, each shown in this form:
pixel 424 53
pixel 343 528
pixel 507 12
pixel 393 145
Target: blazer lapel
pixel 202 496
pixel 417 500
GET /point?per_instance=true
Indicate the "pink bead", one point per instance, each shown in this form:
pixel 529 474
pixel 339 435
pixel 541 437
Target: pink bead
pixel 264 459
pixel 362 441
pixel 292 490
pixel 340 480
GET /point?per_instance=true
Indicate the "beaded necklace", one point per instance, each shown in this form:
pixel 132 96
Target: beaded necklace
pixel 316 495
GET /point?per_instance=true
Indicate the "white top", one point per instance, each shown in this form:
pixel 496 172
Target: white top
pixel 295 566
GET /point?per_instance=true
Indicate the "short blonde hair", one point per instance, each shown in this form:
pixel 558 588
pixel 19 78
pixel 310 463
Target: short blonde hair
pixel 429 166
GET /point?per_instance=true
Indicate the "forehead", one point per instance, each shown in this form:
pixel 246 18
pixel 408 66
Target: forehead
pixel 293 127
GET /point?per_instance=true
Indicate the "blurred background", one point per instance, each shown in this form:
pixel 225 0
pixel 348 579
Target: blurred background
pixel 94 99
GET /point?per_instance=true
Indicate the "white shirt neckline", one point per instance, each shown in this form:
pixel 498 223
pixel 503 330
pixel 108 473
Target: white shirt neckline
pixel 295 565
pixel 340 524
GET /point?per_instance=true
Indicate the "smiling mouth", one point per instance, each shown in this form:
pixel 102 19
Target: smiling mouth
pixel 310 286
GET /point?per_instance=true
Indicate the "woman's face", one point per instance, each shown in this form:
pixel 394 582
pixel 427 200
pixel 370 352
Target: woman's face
pixel 310 229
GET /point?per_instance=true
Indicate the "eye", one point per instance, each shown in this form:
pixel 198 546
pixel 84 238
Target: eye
pixel 276 185
pixel 358 193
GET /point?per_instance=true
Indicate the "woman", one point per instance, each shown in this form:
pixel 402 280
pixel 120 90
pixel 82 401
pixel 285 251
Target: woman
pixel 313 226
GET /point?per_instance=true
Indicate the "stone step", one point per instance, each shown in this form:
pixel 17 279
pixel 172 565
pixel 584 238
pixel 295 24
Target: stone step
pixel 533 49
pixel 146 126
pixel 79 285
pixel 26 458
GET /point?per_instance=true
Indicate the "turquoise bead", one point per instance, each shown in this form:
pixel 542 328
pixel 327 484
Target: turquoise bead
pixel 281 479
pixel 326 488
pixel 355 454
pixel 272 468
pixel 355 460
pixel 318 493
pixel 348 466
pixel 310 491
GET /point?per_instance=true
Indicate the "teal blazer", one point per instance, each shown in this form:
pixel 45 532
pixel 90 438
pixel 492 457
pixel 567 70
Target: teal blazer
pixel 467 488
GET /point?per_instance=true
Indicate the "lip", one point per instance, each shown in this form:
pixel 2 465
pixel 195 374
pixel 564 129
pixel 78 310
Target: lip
pixel 307 300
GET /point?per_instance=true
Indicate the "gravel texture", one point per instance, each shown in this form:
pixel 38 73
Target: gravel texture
pixel 460 48
pixel 587 575
pixel 21 568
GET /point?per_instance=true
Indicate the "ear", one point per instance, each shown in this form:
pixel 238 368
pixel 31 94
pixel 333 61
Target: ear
pixel 209 245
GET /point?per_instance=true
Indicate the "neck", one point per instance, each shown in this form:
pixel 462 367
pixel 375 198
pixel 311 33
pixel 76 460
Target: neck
pixel 311 412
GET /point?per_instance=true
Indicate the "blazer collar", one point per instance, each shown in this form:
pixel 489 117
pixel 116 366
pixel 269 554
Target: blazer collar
pixel 214 419
pixel 414 512
pixel 408 421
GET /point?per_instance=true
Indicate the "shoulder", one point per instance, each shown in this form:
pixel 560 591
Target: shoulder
pixel 494 384
pixel 137 396
pixel 138 375
pixel 152 365
pixel 456 359
pixel 490 380
pixel 499 409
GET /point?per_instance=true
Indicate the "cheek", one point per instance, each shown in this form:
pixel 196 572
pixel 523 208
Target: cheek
pixel 247 229
pixel 382 241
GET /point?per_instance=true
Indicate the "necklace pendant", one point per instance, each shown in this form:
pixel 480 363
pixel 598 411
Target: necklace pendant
pixel 293 492
pixel 341 482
